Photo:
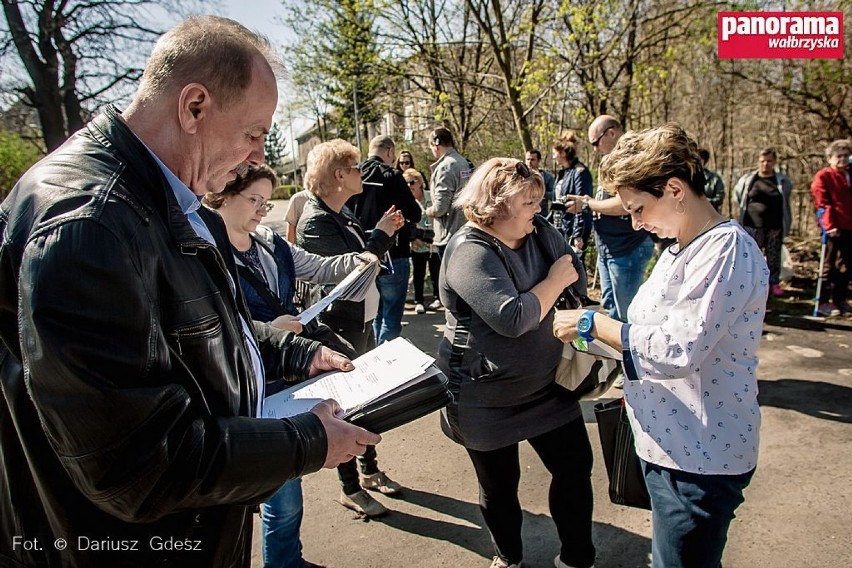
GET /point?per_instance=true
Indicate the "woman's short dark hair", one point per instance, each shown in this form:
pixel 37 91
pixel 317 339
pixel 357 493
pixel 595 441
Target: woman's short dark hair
pixel 646 160
pixel 252 174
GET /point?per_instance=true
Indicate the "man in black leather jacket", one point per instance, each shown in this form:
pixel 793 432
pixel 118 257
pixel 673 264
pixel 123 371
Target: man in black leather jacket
pixel 130 369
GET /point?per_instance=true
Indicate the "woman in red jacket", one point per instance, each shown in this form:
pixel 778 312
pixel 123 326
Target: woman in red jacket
pixel 832 192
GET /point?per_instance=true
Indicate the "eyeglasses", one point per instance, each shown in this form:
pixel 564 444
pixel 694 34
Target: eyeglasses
pixel 259 203
pixel 597 140
pixel 405 162
pixel 355 167
pixel 412 181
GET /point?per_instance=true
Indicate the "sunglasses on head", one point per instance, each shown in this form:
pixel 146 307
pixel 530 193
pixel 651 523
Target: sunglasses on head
pixel 597 140
pixel 521 170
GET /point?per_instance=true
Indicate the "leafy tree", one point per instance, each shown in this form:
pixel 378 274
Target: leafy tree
pixel 336 54
pixel 440 59
pixel 75 55
pixel 510 27
pixel 274 147
pixel 16 156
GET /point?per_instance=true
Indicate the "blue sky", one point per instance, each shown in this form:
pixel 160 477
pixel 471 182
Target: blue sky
pixel 260 15
pixel 264 16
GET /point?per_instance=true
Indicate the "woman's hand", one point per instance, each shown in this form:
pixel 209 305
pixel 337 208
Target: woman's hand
pixel 563 271
pixel 391 221
pixel 367 258
pixel 565 324
pixel 287 323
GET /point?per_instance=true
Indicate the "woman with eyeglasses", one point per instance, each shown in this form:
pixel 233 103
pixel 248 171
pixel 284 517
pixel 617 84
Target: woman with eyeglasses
pixel 268 268
pixel 423 254
pixel 501 276
pixel 327 227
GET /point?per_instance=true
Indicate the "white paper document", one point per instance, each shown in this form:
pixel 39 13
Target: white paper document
pixel 386 368
pixel 351 286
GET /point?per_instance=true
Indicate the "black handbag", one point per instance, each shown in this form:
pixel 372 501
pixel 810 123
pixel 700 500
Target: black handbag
pixel 623 466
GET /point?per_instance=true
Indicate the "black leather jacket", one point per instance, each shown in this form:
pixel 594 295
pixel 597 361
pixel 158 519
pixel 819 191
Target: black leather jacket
pixel 129 428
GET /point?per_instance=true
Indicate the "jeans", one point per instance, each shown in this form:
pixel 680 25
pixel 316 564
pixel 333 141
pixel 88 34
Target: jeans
pixel 419 262
pixel 567 455
pixel 621 277
pixel 393 288
pixel 281 516
pixel 691 515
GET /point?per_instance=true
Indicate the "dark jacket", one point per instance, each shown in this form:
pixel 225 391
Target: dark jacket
pixel 384 186
pixel 325 232
pixel 576 179
pixel 134 421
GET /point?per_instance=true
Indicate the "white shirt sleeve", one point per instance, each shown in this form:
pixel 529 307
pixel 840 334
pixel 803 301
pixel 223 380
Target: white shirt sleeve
pixel 701 296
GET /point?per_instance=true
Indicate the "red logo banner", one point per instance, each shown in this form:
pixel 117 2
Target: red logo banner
pixel 780 35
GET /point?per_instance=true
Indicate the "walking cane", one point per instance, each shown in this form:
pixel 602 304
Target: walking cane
pixel 824 239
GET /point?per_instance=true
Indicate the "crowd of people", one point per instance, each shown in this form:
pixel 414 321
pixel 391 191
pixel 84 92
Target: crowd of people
pixel 147 312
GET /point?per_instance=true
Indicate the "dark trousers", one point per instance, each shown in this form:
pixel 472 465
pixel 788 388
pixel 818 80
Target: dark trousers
pixel 362 340
pixel 348 473
pixel 419 262
pixel 837 269
pixel 769 241
pixel 567 455
pixel 691 515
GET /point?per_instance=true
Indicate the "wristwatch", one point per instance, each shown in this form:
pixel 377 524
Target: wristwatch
pixel 585 325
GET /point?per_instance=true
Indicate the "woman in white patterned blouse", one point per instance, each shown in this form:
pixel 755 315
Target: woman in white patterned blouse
pixel 690 347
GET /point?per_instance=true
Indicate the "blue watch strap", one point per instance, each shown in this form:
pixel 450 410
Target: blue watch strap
pixel 589 315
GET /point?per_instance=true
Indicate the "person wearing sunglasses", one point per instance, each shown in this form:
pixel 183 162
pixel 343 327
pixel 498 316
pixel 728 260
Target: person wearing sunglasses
pixel 423 251
pixel 327 228
pixel 501 276
pixel 623 252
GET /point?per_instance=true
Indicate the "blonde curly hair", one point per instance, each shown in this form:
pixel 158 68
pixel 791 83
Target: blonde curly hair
pixel 323 160
pixel 489 191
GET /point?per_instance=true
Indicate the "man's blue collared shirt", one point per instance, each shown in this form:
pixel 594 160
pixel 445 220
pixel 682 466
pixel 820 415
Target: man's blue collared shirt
pixel 189 204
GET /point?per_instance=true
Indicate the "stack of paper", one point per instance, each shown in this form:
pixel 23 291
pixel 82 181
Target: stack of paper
pixel 353 287
pixel 386 369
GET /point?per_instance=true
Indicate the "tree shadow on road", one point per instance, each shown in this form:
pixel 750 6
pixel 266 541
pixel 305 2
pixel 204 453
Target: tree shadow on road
pixel 616 547
pixel 814 398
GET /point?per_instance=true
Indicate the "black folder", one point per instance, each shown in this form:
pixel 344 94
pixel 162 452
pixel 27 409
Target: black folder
pixel 403 406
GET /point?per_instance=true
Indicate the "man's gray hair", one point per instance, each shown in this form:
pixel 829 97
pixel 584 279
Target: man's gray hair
pixel 381 143
pixel 216 52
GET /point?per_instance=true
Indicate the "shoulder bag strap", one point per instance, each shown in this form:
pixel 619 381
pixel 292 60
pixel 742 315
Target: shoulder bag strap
pixel 260 285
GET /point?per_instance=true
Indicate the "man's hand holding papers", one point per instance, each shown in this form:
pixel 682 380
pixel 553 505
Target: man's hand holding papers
pixel 375 374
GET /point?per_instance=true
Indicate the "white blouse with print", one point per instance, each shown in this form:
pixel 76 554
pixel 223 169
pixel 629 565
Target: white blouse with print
pixel 691 353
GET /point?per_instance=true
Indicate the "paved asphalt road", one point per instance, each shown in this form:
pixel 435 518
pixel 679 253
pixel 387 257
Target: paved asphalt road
pixel 796 513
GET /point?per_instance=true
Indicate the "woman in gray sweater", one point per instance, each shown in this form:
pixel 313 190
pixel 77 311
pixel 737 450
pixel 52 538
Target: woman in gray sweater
pixel 501 275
